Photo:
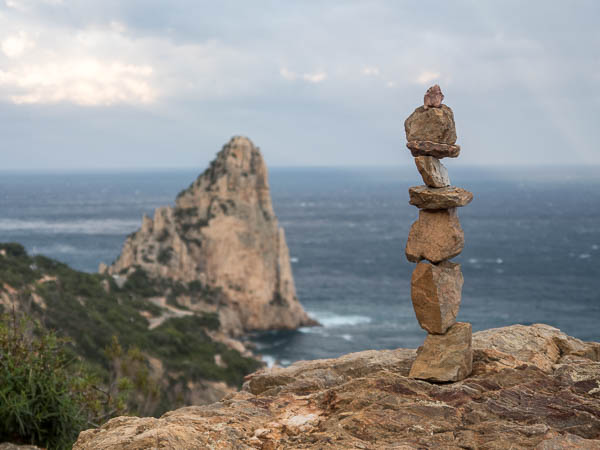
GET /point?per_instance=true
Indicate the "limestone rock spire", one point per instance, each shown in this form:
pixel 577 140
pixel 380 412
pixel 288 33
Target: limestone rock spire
pixel 223 234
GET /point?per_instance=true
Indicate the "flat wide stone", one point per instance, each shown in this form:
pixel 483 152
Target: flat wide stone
pixel 445 357
pixel 433 172
pixel 436 236
pixel 431 124
pixel 435 149
pixel 436 294
pixel 425 197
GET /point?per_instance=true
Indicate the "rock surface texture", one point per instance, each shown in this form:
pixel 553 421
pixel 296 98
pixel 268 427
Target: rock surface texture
pixel 445 357
pixel 433 172
pixel 436 294
pixel 433 97
pixel 531 387
pixel 435 149
pixel 222 233
pixel 425 197
pixel 436 236
pixel 431 124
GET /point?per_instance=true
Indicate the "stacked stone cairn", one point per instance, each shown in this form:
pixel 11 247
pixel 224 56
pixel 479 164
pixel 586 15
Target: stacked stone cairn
pixel 434 239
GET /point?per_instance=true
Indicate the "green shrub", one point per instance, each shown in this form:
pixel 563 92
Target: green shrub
pixel 42 402
pixel 164 256
pixel 13 249
pixel 140 283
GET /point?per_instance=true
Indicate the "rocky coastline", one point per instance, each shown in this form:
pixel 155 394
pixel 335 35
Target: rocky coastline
pixel 530 387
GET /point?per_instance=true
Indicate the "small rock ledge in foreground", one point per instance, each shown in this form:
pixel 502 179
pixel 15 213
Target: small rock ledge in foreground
pixel 531 387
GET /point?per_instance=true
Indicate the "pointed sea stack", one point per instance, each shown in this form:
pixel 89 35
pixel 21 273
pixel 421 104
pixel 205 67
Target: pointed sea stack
pixel 222 234
pixel 436 237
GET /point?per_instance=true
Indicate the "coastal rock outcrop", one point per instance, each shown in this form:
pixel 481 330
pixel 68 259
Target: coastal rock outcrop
pixel 531 387
pixel 222 234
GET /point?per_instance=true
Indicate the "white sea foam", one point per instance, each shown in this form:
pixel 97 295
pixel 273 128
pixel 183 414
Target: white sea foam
pixel 595 247
pixel 294 260
pixel 585 256
pixel 54 249
pixel 269 360
pixel 80 226
pixel 346 337
pixel 329 319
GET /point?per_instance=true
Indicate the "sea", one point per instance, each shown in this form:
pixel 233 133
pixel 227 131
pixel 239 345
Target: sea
pixel 532 252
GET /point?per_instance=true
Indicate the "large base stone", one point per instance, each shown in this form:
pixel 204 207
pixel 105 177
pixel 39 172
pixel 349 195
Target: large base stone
pixel 433 172
pixel 436 294
pixel 425 197
pixel 445 357
pixel 431 124
pixel 435 236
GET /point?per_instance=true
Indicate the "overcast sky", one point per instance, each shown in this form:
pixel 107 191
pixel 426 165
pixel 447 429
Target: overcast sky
pixel 151 84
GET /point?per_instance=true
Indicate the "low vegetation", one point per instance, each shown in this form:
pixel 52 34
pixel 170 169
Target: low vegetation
pixel 107 328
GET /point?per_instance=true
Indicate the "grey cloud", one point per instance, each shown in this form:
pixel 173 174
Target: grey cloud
pixel 521 77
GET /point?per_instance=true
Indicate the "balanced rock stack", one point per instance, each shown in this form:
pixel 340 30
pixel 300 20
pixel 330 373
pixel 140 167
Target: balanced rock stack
pixel 434 239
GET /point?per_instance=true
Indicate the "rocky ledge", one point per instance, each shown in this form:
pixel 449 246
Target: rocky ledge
pixel 531 387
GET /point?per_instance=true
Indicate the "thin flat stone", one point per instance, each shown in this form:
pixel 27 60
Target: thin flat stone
pixel 445 357
pixel 425 197
pixel 435 149
pixel 436 294
pixel 436 236
pixel 433 172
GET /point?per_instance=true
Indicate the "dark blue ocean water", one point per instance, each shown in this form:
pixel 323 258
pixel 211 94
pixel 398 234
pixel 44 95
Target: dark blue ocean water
pixel 532 249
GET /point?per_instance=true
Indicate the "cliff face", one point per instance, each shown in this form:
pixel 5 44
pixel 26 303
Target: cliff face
pixel 531 387
pixel 223 234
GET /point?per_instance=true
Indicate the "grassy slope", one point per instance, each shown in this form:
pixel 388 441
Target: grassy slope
pixel 91 309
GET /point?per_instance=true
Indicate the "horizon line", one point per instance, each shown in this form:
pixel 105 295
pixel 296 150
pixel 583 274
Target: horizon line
pixel 586 166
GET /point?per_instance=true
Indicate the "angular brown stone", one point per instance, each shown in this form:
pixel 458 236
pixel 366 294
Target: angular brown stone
pixel 433 172
pixel 439 198
pixel 445 357
pixel 436 293
pixel 435 149
pixel 433 97
pixel 431 124
pixel 435 236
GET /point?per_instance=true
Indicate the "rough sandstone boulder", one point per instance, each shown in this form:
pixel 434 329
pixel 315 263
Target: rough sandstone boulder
pixel 425 197
pixel 433 149
pixel 223 234
pixel 436 294
pixel 436 236
pixel 433 172
pixel 431 124
pixel 445 357
pixel 366 400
